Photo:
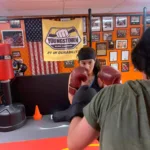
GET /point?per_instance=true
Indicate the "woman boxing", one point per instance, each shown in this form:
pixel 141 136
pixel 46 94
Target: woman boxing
pixel 87 75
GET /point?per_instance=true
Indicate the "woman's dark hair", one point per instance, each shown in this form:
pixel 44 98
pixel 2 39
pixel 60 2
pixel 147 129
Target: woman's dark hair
pixel 141 54
pixel 89 53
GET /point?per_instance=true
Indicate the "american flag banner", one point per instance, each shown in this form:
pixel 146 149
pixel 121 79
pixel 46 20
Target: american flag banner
pixel 33 28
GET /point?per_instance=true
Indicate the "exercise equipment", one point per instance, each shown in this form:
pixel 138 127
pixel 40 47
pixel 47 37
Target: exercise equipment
pixel 12 116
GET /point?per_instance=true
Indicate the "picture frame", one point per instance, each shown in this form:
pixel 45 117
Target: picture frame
pixel 101 49
pixel 96 37
pixel 134 42
pixel 134 20
pixel 135 31
pixel 111 45
pixel 13 37
pixel 125 67
pixel 15 23
pixel 84 40
pixel 121 22
pixel 108 24
pixel 69 64
pixel 121 33
pixel 113 56
pixel 16 54
pixel 107 36
pixel 125 55
pixel 115 66
pixel 121 44
pixel 96 23
pixel 147 19
pixel 102 62
pixel 84 24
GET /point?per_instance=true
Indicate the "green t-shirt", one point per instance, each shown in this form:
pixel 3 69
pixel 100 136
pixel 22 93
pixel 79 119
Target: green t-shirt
pixel 122 115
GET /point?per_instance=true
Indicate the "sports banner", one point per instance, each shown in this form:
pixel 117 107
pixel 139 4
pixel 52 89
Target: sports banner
pixel 62 39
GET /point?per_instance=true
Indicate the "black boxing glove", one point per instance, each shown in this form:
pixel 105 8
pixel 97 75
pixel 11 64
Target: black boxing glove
pixel 82 97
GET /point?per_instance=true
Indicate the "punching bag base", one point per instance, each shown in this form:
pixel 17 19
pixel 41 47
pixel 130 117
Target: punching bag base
pixel 12 117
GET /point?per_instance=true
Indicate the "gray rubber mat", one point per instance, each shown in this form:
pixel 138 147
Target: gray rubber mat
pixel 32 130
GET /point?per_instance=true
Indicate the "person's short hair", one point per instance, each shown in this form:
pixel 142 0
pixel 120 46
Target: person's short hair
pixel 141 54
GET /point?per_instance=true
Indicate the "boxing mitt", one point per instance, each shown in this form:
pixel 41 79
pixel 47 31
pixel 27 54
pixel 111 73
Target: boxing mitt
pixel 108 75
pixel 78 75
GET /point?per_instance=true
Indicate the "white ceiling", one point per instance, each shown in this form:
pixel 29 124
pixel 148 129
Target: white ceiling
pixel 65 7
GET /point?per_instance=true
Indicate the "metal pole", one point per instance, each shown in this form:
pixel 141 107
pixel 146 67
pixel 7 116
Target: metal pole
pixel 90 26
pixel 144 18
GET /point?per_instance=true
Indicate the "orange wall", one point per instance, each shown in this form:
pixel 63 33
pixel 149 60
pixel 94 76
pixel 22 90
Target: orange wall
pixel 131 75
pixel 23 51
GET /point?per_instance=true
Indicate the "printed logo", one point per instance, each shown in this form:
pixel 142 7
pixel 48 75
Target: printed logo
pixel 63 38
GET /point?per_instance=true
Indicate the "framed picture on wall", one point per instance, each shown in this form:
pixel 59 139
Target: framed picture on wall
pixel 113 56
pixel 114 65
pixel 125 55
pixel 84 40
pixel 135 20
pixel 15 23
pixel 135 32
pixel 102 62
pixel 147 19
pixel 16 54
pixel 111 44
pixel 121 44
pixel 84 24
pixel 96 37
pixel 121 33
pixel 121 22
pixel 134 42
pixel 69 64
pixel 13 37
pixel 125 66
pixel 96 22
pixel 107 36
pixel 108 24
pixel 101 49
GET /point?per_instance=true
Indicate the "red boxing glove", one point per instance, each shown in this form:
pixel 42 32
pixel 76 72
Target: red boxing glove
pixel 78 75
pixel 108 75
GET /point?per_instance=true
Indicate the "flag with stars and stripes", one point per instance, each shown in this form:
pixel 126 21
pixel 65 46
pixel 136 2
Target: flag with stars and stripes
pixel 33 28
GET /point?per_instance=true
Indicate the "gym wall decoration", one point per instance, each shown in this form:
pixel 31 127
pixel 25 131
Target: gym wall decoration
pixel 69 64
pixel 135 20
pixel 121 33
pixel 135 32
pixel 15 24
pixel 13 37
pixel 121 44
pixel 84 40
pixel 96 23
pixel 121 22
pixel 84 24
pixel 96 37
pixel 107 36
pixel 125 55
pixel 65 19
pixel 114 65
pixel 147 19
pixel 102 62
pixel 101 49
pixel 125 66
pixel 111 44
pixel 16 54
pixel 107 23
pixel 113 56
pixel 134 42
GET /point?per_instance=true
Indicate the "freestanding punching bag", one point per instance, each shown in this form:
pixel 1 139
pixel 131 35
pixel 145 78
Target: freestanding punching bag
pixel 12 116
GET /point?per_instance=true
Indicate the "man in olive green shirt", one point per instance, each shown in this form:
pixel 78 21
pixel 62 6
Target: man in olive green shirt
pixel 119 114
